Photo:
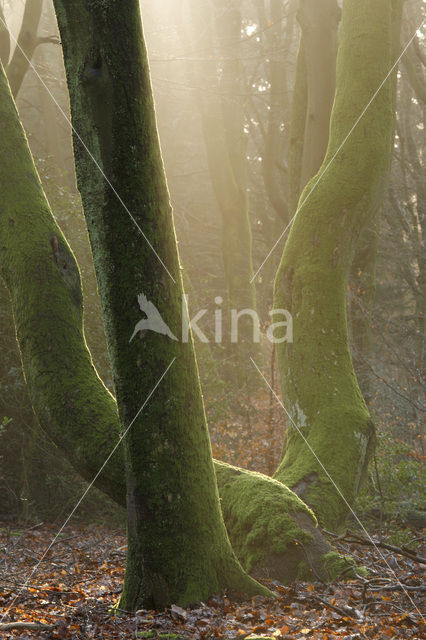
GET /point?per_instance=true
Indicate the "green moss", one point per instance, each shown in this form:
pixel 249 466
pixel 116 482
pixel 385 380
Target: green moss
pixel 328 446
pixel 341 567
pixel 260 514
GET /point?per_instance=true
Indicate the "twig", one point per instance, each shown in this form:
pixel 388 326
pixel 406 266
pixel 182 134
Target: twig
pixel 355 538
pixel 344 611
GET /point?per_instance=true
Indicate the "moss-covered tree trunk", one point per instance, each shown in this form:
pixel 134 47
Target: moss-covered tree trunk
pixel 43 280
pixel 363 269
pixel 178 549
pixel 328 446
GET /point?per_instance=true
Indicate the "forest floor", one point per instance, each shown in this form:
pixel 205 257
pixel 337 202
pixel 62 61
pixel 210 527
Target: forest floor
pixel 68 592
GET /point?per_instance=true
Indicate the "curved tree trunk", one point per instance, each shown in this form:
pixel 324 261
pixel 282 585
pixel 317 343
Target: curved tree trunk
pixel 43 280
pixel 329 443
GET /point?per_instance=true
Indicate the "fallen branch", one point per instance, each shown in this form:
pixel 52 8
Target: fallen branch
pixel 35 626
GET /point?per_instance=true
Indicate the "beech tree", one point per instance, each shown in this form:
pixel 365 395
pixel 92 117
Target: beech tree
pixel 178 547
pixel 169 470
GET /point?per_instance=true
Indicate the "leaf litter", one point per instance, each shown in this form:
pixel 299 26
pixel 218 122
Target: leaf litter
pixel 71 591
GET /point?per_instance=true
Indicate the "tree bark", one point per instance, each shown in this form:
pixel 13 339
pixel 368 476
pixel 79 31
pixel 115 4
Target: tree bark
pixel 43 280
pixel 333 436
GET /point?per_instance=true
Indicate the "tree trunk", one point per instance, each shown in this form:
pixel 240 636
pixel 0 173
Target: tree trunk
pixel 178 549
pixel 363 269
pixel 43 280
pixel 314 92
pixel 279 78
pixel 328 446
pixel 319 22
